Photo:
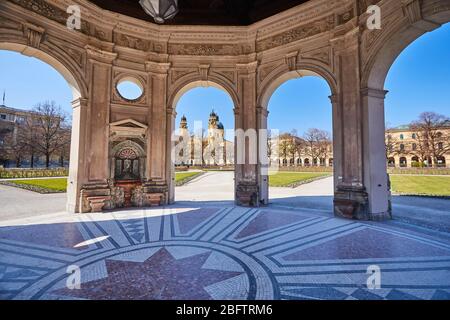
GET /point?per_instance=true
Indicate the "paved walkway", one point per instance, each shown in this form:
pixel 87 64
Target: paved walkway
pixel 218 252
pixel 194 250
pixel 15 202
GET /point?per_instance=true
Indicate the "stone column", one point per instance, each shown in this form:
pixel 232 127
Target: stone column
pixel 361 190
pixel 95 191
pixel 160 176
pixel 247 175
pixel 350 198
pixel 263 159
pixel 375 169
pixel 337 140
pixel 77 165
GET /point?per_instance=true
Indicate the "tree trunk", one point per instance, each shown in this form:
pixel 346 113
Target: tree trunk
pixel 47 161
pixel 32 161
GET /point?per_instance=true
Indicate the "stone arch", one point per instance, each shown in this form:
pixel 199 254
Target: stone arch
pixel 281 75
pixel 190 82
pixel 56 58
pixel 409 21
pixel 128 144
pixel 272 82
pixel 136 148
pixel 176 91
pixel 397 39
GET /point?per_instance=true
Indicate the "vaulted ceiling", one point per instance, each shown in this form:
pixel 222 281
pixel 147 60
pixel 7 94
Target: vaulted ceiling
pixel 207 12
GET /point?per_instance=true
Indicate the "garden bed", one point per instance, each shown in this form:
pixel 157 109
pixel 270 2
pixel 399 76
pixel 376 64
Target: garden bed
pixel 44 186
pixel 181 178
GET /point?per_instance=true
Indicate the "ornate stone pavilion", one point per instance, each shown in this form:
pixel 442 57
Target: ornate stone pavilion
pixel 121 149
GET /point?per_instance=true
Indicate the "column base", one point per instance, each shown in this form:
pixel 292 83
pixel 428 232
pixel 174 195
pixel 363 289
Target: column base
pixel 157 194
pixel 353 203
pixel 95 197
pixel 100 197
pixel 247 194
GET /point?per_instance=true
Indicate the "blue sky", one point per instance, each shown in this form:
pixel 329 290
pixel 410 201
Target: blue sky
pixel 418 81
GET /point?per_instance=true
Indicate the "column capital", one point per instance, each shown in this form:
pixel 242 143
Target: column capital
pixel 374 93
pixel 96 54
pixel 171 112
pixel 80 102
pixel 262 111
pixel 161 68
pixel 334 98
pixel 247 68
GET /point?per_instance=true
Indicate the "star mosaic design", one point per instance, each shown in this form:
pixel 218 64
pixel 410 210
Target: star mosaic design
pixel 160 277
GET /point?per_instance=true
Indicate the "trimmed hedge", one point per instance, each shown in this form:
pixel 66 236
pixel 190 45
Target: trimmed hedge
pixel 420 171
pixel 19 173
pixel 302 169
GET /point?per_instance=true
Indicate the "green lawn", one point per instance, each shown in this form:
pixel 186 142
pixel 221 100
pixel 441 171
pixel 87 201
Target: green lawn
pixel 52 184
pixel 421 185
pixel 183 177
pixel 60 184
pixel 292 179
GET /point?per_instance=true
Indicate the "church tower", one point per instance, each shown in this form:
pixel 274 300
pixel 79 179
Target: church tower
pixel 184 127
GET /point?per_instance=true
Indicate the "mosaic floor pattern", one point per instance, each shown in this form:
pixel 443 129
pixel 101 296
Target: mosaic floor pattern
pixel 222 253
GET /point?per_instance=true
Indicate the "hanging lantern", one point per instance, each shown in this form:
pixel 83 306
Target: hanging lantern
pixel 160 10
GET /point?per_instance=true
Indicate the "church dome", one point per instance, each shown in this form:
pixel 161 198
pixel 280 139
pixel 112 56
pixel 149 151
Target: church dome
pixel 220 126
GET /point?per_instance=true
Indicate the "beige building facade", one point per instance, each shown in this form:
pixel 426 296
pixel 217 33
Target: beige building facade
pixel 114 138
pixel 406 148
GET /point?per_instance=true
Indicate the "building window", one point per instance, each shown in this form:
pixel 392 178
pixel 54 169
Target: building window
pixel 414 146
pixel 414 136
pixel 402 136
pixel 3 116
pixel 440 146
pixel 402 147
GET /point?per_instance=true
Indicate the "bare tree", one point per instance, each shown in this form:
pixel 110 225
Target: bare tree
pixel 49 123
pixel 16 148
pixel 317 143
pixel 430 141
pixel 28 136
pixel 391 143
pixel 285 147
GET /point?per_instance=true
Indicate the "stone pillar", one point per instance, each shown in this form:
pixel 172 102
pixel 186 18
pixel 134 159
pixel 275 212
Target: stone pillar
pixel 361 191
pixel 350 198
pixel 247 175
pixel 263 159
pixel 375 169
pixel 337 140
pixel 77 165
pixel 95 191
pixel 159 184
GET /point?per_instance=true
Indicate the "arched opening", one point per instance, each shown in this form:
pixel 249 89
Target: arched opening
pixel 440 162
pixel 405 51
pixel 41 120
pixel 391 162
pixel 204 148
pixel 403 162
pixel 297 132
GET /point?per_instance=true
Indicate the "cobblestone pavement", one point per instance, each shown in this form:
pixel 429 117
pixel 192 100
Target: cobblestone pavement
pixel 218 252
